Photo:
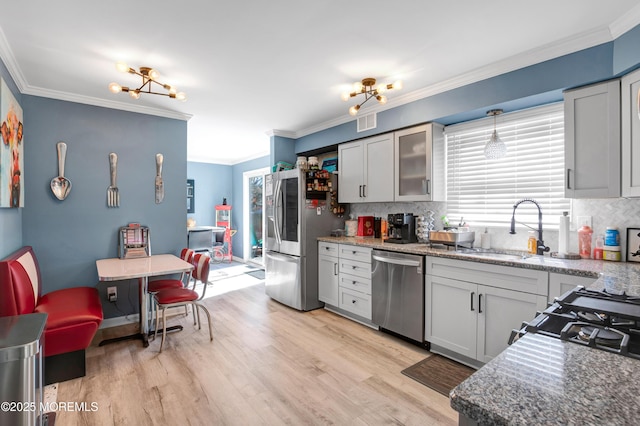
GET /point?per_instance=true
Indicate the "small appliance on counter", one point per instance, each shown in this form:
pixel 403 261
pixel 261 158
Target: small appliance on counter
pixel 402 228
pixel 366 226
pixel 133 241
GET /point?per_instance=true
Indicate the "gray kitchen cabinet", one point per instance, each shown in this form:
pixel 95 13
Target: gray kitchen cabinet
pixel 630 99
pixel 328 273
pixel 472 307
pixel 344 279
pixel 561 283
pixel 592 141
pixel 365 170
pixel 419 163
pixel 354 284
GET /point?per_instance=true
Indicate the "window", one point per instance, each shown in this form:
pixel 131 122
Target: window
pixel 483 191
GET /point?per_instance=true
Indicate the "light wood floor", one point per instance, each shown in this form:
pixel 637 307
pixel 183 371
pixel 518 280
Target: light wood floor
pixel 268 364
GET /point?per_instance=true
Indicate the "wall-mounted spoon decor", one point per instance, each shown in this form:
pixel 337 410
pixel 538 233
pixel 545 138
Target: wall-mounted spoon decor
pixel 60 185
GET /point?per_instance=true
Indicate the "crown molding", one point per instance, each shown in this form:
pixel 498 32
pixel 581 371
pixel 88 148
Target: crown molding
pixel 6 54
pixel 211 160
pixel 281 133
pixel 531 57
pixel 88 100
pixel 625 22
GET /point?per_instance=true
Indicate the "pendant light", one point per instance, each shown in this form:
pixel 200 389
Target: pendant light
pixel 495 148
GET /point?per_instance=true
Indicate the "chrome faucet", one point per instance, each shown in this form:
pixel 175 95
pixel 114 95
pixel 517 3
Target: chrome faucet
pixel 540 247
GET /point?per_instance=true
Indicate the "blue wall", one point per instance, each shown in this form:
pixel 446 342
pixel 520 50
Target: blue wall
pixel 212 184
pixel 530 86
pixel 69 236
pixel 11 218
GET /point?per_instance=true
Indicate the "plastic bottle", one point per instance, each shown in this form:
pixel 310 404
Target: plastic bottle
pixel 599 249
pixel 532 243
pixel 584 241
pixel 611 236
pixel 485 239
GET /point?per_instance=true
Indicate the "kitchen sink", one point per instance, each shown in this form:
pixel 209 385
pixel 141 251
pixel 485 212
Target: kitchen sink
pixel 490 254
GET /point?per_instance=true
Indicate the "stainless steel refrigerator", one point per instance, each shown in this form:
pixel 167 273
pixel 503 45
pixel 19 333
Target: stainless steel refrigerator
pixel 296 217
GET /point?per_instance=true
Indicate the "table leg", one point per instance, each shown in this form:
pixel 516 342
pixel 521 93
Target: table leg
pixel 145 330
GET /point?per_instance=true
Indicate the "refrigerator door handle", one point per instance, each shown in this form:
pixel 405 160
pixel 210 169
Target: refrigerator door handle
pixel 277 211
pixel 282 257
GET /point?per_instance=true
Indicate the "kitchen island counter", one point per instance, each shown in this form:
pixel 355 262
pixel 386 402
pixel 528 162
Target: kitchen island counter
pixel 542 380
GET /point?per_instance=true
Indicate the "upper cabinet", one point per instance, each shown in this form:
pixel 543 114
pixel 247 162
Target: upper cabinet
pixel 592 141
pixel 630 97
pixel 366 170
pixel 419 163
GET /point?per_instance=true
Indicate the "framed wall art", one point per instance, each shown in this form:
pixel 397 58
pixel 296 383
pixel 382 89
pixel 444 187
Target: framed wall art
pixel 11 149
pixel 191 196
pixel 633 245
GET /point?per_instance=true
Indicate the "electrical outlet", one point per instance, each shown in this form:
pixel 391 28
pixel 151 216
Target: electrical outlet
pixel 584 220
pixel 112 294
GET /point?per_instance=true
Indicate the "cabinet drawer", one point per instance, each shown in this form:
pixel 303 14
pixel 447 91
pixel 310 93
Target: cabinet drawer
pixel 353 282
pixel 356 268
pixel 355 302
pixel 328 249
pixel 507 277
pixel 362 254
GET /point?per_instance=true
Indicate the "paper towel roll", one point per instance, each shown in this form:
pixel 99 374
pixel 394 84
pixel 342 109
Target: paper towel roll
pixel 563 234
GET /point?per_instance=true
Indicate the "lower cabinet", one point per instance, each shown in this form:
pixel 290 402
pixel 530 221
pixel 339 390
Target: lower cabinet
pixel 559 284
pixel 344 277
pixel 328 273
pixel 472 307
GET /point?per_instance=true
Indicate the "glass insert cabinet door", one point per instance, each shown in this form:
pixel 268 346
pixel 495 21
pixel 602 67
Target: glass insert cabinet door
pixel 413 164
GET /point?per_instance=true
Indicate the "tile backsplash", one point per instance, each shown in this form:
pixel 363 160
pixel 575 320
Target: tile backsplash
pixel 621 213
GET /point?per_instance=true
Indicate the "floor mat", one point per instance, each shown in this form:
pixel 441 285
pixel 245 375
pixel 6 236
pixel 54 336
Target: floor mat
pixel 259 274
pixel 439 373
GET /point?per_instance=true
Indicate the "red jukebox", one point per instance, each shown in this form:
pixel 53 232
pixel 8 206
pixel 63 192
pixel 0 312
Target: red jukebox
pixel 223 220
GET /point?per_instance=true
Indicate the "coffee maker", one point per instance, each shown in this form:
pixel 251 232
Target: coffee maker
pixel 402 228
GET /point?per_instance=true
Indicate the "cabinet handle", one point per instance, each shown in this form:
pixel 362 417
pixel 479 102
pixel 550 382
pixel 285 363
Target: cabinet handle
pixel 568 178
pixel 353 267
pixel 480 303
pixel 360 191
pixel 353 301
pixel 364 191
pixel 472 294
pixel 335 269
pixel 428 189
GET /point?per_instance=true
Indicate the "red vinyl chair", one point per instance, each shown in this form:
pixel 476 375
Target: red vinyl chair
pixel 170 297
pixel 183 282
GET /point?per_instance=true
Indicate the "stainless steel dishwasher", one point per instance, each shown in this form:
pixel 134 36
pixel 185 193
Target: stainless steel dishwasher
pixel 397 293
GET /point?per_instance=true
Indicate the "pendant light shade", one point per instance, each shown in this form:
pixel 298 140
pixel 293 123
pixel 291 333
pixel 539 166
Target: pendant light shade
pixel 495 148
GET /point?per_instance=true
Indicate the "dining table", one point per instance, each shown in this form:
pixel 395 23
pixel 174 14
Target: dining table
pixel 141 268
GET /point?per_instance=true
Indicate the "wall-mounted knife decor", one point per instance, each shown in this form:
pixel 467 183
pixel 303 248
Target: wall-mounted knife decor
pixel 159 183
pixel 113 196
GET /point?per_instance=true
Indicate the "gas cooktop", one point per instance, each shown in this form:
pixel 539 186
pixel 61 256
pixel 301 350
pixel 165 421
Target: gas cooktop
pixel 598 319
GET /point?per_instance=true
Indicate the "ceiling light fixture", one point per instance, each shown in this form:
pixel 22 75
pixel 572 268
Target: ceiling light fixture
pixel 495 148
pixel 366 87
pixel 149 77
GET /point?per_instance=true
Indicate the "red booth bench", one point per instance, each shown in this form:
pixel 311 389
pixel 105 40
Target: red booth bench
pixel 73 314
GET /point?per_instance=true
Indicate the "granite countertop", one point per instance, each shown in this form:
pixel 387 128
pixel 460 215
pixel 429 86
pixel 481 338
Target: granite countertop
pixel 616 276
pixel 539 379
pixel 542 380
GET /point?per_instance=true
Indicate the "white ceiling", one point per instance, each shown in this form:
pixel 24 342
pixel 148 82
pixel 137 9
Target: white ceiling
pixel 252 67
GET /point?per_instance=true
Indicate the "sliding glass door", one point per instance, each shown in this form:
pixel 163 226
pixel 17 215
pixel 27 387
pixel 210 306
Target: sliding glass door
pixel 254 218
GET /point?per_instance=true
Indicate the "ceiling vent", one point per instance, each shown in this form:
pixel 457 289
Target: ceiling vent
pixel 367 122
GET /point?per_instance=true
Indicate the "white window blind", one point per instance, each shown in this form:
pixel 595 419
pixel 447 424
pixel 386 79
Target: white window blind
pixel 484 191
